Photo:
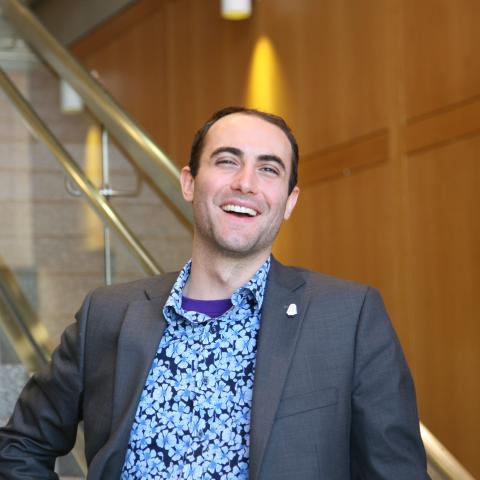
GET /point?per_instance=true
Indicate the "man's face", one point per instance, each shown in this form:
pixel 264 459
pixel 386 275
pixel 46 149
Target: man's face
pixel 240 194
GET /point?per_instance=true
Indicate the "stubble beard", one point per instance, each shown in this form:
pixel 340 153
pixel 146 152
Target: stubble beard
pixel 209 237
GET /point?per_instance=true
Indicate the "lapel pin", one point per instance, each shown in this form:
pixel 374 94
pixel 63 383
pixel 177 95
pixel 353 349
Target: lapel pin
pixel 291 310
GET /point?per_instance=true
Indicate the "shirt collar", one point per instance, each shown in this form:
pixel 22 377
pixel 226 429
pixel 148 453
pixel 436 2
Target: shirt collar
pixel 254 288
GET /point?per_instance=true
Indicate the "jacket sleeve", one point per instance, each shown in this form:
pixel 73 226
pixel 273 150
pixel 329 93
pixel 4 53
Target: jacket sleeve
pixel 385 436
pixel 44 422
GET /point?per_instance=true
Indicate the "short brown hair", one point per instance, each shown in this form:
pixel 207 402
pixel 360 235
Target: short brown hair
pixel 198 140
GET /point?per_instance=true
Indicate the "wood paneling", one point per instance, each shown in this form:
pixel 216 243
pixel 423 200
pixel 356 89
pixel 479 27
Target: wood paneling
pixel 442 65
pixel 384 99
pixel 200 77
pixel 444 278
pixel 334 56
pixel 344 159
pixel 444 126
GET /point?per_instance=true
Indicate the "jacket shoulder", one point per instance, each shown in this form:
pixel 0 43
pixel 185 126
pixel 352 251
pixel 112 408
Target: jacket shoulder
pixel 319 282
pixel 326 292
pixel 141 289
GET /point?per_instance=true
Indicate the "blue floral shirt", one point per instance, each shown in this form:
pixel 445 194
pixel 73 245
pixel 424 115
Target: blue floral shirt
pixel 193 418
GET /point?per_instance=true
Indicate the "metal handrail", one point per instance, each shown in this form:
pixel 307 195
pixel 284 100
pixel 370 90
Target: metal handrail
pixel 441 458
pixel 146 155
pixel 29 337
pixel 97 200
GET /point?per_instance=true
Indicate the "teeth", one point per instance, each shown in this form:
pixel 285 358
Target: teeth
pixel 239 209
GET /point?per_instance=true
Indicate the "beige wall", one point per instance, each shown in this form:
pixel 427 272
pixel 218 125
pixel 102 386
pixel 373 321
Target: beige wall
pixel 385 99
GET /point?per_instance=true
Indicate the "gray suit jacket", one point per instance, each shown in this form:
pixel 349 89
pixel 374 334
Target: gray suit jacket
pixel 333 397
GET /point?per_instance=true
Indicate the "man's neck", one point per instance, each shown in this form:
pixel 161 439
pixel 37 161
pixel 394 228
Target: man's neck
pixel 217 278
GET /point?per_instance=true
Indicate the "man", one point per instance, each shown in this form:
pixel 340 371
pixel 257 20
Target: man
pixel 238 367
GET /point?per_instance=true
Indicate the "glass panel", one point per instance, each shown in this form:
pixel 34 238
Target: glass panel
pixel 46 234
pixel 51 239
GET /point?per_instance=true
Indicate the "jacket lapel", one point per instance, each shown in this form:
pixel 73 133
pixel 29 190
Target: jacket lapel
pixel 276 345
pixel 140 334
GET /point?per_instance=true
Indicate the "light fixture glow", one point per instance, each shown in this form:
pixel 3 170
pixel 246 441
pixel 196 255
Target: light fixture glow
pixel 265 89
pixel 93 169
pixel 236 9
pixel 70 100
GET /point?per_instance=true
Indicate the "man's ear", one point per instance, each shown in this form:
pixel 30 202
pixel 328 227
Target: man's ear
pixel 291 202
pixel 187 183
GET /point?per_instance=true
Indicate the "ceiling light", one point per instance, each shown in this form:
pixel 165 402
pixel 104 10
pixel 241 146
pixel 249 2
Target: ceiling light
pixel 236 9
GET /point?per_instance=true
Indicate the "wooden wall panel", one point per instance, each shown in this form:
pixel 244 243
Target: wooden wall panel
pixel 442 65
pixel 344 159
pixel 334 56
pixel 444 125
pixel 443 290
pixel 201 79
pixel 383 97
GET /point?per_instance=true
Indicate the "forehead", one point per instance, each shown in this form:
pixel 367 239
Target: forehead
pixel 250 134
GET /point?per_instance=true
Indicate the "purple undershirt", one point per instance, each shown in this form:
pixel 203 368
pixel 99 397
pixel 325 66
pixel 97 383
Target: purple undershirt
pixel 212 308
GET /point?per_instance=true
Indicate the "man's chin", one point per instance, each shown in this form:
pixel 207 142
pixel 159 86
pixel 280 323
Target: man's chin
pixel 236 249
pixel 238 246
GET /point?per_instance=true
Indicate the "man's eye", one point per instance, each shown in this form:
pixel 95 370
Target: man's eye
pixel 270 170
pixel 225 161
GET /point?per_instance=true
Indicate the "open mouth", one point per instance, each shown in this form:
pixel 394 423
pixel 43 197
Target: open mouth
pixel 239 210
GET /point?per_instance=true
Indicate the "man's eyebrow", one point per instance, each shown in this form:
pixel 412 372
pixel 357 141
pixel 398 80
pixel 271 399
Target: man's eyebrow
pixel 262 158
pixel 232 150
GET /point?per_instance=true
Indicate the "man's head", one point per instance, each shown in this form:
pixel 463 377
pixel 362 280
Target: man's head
pixel 199 139
pixel 239 184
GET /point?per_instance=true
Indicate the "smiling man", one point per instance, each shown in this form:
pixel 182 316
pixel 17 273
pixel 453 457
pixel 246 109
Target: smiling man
pixel 241 193
pixel 237 367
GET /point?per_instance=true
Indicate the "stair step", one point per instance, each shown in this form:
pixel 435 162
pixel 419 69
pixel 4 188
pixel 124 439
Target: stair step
pixel 12 379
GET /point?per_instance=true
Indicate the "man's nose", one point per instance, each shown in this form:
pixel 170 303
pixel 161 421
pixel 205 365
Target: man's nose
pixel 245 180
